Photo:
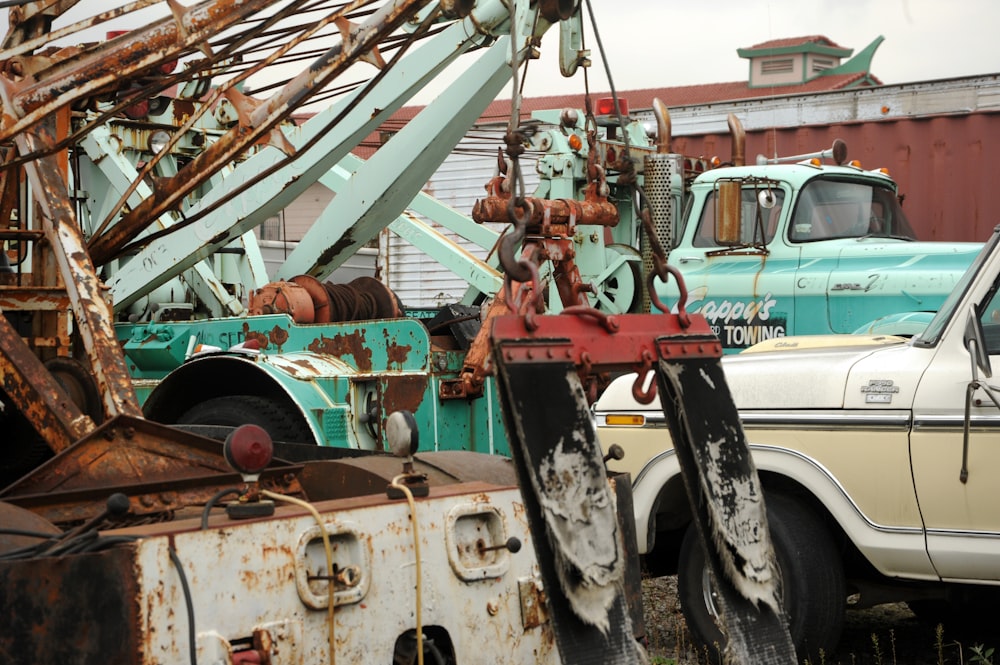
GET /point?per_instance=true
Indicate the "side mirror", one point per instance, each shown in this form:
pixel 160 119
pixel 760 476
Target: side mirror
pixel 975 343
pixel 730 213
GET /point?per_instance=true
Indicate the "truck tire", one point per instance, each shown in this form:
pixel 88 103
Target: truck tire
pixel 278 420
pixel 812 576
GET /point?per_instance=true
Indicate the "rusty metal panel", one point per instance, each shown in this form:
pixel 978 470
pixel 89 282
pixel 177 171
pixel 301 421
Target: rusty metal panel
pixel 940 163
pixel 370 474
pixel 72 609
pixel 267 587
pixel 160 469
pixel 39 397
pixel 16 520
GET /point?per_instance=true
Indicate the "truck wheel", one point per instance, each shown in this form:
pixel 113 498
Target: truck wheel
pixel 281 423
pixel 812 576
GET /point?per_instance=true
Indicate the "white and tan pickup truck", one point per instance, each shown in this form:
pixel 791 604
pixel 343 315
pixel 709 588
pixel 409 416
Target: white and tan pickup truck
pixel 878 457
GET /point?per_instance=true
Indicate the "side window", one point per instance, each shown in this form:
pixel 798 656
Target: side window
pixel 705 235
pixel 753 219
pixel 990 318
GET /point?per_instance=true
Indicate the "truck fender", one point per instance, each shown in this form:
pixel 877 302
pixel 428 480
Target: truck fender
pixel 227 375
pixel 890 549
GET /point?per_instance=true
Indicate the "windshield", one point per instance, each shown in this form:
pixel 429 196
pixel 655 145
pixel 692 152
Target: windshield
pixel 829 208
pixel 757 223
pixel 932 333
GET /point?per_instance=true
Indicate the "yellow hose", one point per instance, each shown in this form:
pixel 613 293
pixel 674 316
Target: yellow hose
pixel 416 552
pixel 329 562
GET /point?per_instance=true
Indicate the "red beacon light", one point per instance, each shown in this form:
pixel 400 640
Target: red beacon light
pixel 604 111
pixel 606 106
pixel 698 165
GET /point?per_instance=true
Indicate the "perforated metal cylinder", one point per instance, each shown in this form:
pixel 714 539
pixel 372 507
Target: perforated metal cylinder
pixel 664 192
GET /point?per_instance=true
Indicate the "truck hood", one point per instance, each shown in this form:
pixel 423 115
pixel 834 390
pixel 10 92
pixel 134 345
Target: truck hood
pixel 807 372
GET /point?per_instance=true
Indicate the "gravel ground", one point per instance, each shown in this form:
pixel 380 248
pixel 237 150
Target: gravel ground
pixel 882 635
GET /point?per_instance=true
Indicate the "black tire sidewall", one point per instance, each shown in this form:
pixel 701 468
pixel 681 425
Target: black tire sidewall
pixel 814 591
pixel 235 410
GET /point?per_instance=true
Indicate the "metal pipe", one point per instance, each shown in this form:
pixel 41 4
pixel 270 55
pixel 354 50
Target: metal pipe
pixel 257 124
pixel 79 77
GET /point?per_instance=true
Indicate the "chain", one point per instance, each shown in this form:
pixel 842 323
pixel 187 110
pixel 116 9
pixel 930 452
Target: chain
pixel 518 209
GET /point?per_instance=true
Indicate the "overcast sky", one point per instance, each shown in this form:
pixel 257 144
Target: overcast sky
pixel 654 43
pixel 662 43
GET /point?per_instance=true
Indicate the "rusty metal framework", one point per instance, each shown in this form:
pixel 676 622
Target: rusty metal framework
pixel 65 374
pixel 55 303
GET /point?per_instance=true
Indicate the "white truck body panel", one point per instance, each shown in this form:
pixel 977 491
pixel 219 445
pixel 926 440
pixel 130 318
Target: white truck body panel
pixel 871 427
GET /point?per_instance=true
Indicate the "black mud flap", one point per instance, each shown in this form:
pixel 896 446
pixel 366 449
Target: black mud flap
pixel 728 508
pixel 577 540
pixel 570 508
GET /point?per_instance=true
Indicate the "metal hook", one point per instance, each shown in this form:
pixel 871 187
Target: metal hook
pixel 640 395
pixel 661 270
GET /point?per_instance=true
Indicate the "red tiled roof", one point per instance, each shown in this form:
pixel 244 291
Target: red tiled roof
pixel 795 41
pixel 686 95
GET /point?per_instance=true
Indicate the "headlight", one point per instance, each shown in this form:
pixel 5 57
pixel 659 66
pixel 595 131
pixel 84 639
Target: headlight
pixel 158 140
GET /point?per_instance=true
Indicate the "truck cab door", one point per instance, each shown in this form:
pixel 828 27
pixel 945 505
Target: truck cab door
pixel 743 285
pixel 958 500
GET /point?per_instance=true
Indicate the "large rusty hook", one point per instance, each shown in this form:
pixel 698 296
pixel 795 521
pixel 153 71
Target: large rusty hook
pixel 514 268
pixel 518 303
pixel 661 269
pixel 644 396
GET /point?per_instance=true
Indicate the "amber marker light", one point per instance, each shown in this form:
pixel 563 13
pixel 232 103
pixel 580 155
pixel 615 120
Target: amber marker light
pixel 625 420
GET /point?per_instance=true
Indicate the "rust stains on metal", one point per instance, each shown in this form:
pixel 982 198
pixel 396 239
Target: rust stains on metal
pixel 183 109
pixel 65 242
pixel 161 469
pixel 550 211
pixel 404 392
pixel 254 125
pixel 81 608
pixel 344 244
pixel 17 520
pixel 128 56
pixel 37 395
pixel 533 609
pixel 278 335
pixel 341 346
pixel 262 339
pixel 397 354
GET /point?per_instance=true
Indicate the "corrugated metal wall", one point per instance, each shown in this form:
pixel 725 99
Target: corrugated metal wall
pixel 941 164
pixel 416 278
pixel 935 137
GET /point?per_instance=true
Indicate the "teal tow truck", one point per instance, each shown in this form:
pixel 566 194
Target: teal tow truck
pixel 815 249
pixel 805 244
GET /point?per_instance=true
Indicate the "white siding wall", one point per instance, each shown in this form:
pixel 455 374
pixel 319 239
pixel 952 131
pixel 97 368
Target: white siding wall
pixel 295 220
pixel 418 280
